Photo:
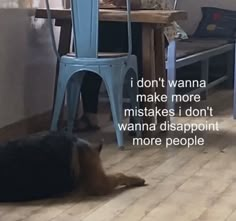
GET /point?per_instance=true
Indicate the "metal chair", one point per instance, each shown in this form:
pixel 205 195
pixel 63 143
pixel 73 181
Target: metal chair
pixel 113 69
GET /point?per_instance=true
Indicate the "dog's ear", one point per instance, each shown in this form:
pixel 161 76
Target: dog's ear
pixel 98 147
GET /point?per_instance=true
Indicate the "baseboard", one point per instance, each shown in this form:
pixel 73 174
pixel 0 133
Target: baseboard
pixel 37 123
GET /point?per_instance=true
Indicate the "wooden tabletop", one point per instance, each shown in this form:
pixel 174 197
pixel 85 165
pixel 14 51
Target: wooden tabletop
pixel 141 16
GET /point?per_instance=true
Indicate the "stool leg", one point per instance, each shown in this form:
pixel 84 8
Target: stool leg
pixel 115 91
pixel 116 108
pixel 73 92
pixel 170 90
pixel 133 91
pixel 61 89
pixel 171 73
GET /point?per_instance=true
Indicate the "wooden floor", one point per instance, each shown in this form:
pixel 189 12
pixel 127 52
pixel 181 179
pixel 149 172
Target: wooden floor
pixel 184 184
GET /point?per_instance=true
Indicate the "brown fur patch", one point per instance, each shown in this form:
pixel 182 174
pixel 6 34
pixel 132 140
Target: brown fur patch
pixel 93 178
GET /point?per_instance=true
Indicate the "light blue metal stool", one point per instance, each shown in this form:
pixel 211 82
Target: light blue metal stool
pixel 113 69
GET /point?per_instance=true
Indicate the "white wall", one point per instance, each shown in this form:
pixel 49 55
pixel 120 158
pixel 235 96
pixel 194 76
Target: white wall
pixel 12 59
pixel 27 62
pixel 27 67
pixel 193 7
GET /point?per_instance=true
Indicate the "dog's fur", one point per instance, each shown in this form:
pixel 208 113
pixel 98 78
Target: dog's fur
pixel 48 165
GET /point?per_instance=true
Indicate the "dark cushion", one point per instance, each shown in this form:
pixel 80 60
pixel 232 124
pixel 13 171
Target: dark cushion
pixel 216 22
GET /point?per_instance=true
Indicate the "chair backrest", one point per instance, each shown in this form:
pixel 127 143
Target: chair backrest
pixel 85 27
pixel 85 19
pixel 129 27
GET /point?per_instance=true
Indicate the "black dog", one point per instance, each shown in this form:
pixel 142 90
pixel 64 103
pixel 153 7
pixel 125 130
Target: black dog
pixel 43 166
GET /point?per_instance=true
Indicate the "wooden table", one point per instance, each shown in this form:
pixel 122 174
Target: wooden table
pixel 153 45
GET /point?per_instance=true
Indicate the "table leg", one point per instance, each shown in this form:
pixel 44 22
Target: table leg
pixel 148 56
pixel 160 66
pixel 63 48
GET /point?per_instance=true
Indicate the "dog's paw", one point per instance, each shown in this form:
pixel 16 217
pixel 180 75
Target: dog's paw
pixel 140 181
pixel 137 181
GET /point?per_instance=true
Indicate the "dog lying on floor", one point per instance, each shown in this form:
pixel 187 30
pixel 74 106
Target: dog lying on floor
pixel 42 166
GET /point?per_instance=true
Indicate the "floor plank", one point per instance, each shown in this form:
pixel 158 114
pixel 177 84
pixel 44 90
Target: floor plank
pixel 185 184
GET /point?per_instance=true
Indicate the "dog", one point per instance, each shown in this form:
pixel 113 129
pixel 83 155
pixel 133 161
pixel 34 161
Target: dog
pixel 53 164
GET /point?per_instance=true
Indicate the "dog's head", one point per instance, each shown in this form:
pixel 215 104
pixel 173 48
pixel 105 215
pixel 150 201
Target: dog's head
pixel 93 147
pixel 88 154
pixel 97 147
